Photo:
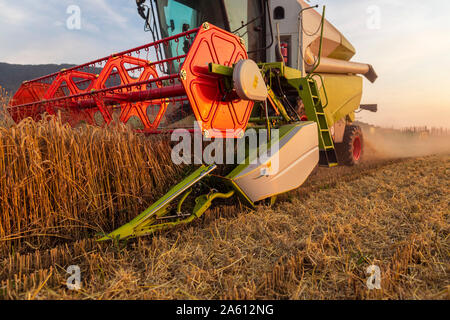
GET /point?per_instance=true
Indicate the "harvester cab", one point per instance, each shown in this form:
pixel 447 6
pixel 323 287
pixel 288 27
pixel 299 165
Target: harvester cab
pixel 271 71
pixel 166 18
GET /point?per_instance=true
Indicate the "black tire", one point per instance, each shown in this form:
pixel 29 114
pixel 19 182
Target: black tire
pixel 351 150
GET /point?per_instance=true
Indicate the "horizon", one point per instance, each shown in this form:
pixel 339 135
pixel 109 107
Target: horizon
pixel 411 90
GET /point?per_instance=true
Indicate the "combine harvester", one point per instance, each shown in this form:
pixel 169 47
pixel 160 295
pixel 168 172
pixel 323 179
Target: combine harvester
pixel 228 66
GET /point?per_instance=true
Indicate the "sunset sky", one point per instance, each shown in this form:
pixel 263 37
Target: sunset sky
pixel 410 48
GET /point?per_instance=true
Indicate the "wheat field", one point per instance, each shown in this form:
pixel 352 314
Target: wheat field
pixel 393 214
pixel 63 184
pixel 60 187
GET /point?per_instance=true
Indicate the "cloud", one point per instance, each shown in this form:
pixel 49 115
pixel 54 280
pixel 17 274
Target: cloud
pixel 11 15
pixel 36 31
pixel 109 12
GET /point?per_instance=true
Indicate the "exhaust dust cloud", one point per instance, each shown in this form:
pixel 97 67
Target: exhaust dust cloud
pixel 386 143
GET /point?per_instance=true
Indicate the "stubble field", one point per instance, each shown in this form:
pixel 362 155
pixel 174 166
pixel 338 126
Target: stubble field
pixel 59 187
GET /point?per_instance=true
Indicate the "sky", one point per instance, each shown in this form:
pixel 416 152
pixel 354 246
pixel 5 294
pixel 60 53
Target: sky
pixel 407 42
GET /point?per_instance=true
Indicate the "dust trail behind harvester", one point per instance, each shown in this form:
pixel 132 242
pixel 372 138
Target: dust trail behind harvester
pixel 388 143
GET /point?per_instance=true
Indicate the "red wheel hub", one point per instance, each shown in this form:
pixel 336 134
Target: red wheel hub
pixel 357 148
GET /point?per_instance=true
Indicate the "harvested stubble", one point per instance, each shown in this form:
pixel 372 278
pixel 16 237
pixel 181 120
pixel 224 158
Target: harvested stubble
pixel 59 182
pixel 315 244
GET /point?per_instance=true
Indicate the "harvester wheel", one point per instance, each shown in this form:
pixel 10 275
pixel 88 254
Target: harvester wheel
pixel 350 151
